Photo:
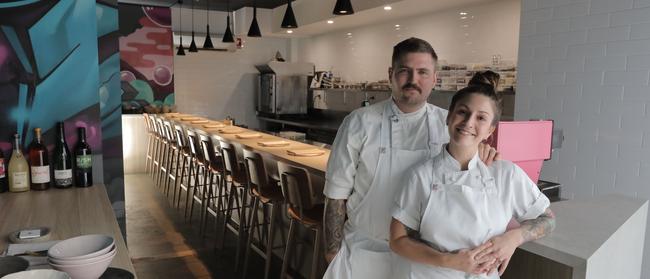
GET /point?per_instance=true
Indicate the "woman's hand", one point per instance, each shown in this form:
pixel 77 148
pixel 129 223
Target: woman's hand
pixel 503 246
pixel 488 154
pixel 476 261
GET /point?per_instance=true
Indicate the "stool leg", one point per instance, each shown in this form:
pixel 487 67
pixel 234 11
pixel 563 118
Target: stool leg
pixel 189 187
pixel 205 197
pixel 275 207
pixel 229 208
pixel 196 188
pixel 287 250
pixel 180 182
pixel 316 257
pixel 252 224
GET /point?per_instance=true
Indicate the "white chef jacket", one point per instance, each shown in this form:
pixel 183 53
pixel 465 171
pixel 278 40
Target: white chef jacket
pixel 460 223
pixel 354 154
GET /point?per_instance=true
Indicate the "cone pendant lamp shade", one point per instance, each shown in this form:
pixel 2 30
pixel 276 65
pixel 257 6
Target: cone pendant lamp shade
pixel 343 7
pixel 180 51
pixel 193 45
pixel 254 31
pixel 227 36
pixel 289 20
pixel 208 41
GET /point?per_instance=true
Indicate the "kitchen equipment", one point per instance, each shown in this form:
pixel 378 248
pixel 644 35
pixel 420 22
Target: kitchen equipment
pixel 283 87
pixel 526 143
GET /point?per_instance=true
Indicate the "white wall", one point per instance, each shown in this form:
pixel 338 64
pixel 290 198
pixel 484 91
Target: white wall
pixel 365 56
pixel 586 64
pixel 216 84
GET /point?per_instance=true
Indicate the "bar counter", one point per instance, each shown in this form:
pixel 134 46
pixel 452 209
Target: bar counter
pixel 67 212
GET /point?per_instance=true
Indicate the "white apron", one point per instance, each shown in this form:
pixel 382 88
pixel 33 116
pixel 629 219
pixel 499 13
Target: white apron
pixel 463 211
pixel 365 253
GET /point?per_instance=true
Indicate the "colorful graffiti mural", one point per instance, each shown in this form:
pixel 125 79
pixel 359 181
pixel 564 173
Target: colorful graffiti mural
pixel 146 51
pixel 59 61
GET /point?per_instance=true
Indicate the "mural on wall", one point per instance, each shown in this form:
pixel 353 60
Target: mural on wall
pixel 146 53
pixel 59 61
pixel 41 44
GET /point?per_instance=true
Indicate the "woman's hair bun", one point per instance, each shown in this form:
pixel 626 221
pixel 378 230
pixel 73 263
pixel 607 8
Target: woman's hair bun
pixel 486 78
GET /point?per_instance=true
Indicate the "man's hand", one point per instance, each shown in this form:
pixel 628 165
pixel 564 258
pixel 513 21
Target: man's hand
pixel 475 261
pixel 333 221
pixel 487 153
pixel 503 246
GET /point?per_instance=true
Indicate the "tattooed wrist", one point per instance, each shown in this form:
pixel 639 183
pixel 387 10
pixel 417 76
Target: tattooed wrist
pixel 538 227
pixel 335 213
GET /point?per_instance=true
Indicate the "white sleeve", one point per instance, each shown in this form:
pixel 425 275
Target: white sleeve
pixel 344 158
pixel 529 202
pixel 412 200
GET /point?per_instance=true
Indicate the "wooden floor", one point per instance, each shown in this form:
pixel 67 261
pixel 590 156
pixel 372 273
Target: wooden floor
pixel 162 245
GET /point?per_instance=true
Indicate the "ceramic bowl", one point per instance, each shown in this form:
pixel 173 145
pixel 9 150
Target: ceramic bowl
pixel 81 247
pixel 38 274
pixel 84 271
pixel 99 258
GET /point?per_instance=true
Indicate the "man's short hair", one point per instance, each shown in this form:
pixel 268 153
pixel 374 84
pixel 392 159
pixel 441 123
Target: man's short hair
pixel 412 45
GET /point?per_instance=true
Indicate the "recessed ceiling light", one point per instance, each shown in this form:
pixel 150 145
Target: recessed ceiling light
pixel 330 21
pixel 349 34
pixel 396 25
pixel 465 25
pixel 289 31
pixel 463 17
pixel 463 13
pixel 387 8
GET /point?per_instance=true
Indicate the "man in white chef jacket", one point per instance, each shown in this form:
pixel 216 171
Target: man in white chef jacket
pixel 373 149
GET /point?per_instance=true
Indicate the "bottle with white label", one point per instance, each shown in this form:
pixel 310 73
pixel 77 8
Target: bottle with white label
pixel 39 163
pixel 62 161
pixel 18 169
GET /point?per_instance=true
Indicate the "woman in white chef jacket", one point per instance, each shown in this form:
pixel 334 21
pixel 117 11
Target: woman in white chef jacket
pixel 450 219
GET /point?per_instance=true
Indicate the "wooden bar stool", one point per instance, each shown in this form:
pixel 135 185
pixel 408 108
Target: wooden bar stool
pixel 167 156
pixel 199 166
pixel 183 160
pixel 213 193
pixel 158 151
pixel 237 197
pixel 150 139
pixel 299 195
pixel 265 192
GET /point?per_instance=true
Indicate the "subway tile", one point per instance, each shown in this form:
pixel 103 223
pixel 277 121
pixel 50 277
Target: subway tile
pixel 608 6
pixel 597 49
pixel 527 29
pixel 628 47
pixel 592 78
pixel 571 10
pixel 572 64
pixel 589 22
pixel 629 17
pixel 537 15
pixel 536 40
pixel 638 62
pixel 606 63
pixel 568 38
pixel 626 78
pixel 640 31
pixel 533 65
pixel 551 52
pixel 548 79
pixel 641 3
pixel 552 26
pixel 528 5
pixel 639 93
pixel 608 34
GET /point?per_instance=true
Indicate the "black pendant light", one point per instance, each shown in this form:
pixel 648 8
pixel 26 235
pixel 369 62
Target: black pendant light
pixel 343 7
pixel 180 51
pixel 289 20
pixel 193 44
pixel 227 36
pixel 208 41
pixel 254 31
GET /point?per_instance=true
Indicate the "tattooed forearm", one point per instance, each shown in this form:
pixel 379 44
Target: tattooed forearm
pixel 538 227
pixel 333 222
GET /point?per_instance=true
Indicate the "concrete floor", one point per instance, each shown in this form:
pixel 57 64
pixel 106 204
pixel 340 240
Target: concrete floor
pixel 163 245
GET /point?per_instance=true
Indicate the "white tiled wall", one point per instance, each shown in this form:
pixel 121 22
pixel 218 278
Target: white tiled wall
pixel 586 64
pixel 217 84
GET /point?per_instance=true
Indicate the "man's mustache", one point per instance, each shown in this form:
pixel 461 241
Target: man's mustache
pixel 411 86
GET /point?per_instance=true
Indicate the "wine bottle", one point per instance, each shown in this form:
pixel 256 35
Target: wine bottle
pixel 18 169
pixel 39 163
pixel 83 176
pixel 62 161
pixel 4 185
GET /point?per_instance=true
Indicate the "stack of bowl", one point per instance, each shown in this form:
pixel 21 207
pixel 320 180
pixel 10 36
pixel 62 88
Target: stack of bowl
pixel 83 257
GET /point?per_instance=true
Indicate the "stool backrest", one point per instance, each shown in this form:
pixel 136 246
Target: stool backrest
pixel 169 134
pixel 208 150
pixel 192 142
pixel 180 135
pixel 257 175
pixel 159 127
pixel 230 164
pixel 146 122
pixel 296 184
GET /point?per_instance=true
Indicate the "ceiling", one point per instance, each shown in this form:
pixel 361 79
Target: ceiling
pixel 217 5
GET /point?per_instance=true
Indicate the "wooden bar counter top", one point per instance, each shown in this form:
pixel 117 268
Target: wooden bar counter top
pixel 67 212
